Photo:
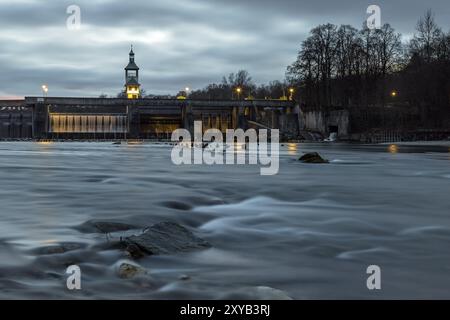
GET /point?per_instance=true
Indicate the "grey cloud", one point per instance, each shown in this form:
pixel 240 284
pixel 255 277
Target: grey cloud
pixel 178 42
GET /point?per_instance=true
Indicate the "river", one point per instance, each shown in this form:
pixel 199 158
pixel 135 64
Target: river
pixel 311 231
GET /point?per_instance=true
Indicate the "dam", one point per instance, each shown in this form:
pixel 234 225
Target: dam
pixel 64 118
pixel 133 116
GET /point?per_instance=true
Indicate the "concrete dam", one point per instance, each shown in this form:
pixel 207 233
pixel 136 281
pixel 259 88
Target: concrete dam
pixel 107 118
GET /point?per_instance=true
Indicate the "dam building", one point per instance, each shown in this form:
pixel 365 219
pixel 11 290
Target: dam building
pixel 135 117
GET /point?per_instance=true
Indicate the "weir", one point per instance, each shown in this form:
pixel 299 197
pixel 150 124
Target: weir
pixel 107 118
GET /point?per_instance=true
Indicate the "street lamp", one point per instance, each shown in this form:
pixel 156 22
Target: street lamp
pixel 239 90
pixel 291 91
pixel 45 90
pixel 394 94
pixel 187 89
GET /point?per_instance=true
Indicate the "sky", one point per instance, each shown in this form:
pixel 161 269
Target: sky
pixel 178 43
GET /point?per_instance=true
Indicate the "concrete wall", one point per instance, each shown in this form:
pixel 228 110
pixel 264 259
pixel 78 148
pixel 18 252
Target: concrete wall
pixel 149 118
pixel 30 117
pixel 15 120
pixel 325 121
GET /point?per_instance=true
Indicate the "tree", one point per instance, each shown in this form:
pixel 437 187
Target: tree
pixel 426 40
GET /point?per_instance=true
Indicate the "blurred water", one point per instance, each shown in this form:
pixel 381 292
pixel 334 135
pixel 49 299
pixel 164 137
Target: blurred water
pixel 310 231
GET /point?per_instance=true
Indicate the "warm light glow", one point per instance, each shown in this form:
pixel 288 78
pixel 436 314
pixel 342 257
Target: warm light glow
pixel 76 123
pixel 393 148
pixel 292 149
pixel 133 92
pixel 291 90
pixel 44 143
pixel 45 88
pixel 393 94
pixel 238 90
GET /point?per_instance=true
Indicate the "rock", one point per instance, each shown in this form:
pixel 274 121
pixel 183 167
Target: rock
pixel 184 277
pixel 313 157
pixel 127 270
pixel 166 238
pixel 95 226
pixel 134 251
pixel 58 248
pixel 257 293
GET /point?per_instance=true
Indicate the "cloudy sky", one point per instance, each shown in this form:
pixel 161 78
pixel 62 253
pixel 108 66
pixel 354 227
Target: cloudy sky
pixel 178 43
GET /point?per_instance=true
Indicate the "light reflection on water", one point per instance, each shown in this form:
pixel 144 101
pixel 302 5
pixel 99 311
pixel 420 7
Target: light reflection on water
pixel 310 231
pixel 292 149
pixel 393 148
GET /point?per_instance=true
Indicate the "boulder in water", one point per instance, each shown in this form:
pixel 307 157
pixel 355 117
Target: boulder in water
pixel 126 270
pixel 184 277
pixel 134 251
pixel 313 157
pixel 165 238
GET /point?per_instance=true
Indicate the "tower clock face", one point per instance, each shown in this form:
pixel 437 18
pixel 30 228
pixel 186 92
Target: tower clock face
pixel 132 73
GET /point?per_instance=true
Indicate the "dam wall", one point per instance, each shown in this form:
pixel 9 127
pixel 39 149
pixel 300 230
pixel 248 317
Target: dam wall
pixel 65 118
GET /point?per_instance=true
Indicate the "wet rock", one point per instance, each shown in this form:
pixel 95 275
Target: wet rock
pixel 95 226
pixel 166 238
pixel 257 293
pixel 134 251
pixel 184 277
pixel 126 270
pixel 58 248
pixel 313 157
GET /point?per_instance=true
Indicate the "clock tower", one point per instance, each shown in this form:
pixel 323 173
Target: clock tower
pixel 132 86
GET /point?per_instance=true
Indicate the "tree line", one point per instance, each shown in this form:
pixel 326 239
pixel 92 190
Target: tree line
pixel 341 66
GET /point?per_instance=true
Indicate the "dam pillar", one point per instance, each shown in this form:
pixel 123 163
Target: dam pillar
pixel 187 118
pixel 40 121
pixel 133 117
pixel 242 120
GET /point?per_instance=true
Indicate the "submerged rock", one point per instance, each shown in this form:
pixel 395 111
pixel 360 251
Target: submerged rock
pixel 164 238
pixel 134 251
pixel 96 226
pixel 127 270
pixel 313 157
pixel 184 277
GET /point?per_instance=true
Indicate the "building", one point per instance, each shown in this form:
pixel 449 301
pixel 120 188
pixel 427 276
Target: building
pixel 132 86
pixel 134 117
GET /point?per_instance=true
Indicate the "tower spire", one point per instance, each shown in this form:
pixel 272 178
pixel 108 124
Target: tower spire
pixel 132 86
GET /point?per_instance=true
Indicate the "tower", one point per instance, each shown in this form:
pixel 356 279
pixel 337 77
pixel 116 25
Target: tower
pixel 132 86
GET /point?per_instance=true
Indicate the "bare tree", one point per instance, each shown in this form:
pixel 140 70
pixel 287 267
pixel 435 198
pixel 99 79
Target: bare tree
pixel 427 37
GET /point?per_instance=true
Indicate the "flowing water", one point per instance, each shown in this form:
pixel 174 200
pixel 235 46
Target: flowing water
pixel 310 231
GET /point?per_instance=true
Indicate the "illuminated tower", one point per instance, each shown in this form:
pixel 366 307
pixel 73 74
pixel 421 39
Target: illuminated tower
pixel 132 86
